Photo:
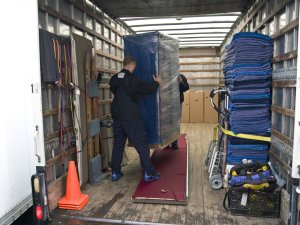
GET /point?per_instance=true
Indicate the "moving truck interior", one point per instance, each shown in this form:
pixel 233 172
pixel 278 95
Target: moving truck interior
pixel 46 124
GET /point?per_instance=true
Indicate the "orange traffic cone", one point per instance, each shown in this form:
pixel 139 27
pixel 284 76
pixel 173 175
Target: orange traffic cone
pixel 73 199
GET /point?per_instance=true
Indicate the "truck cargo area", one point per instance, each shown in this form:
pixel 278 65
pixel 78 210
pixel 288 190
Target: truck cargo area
pixel 228 81
pixel 111 202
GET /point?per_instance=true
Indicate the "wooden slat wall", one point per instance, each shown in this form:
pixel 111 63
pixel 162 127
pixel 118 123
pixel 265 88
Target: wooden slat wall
pixel 201 67
pixel 278 19
pixel 63 17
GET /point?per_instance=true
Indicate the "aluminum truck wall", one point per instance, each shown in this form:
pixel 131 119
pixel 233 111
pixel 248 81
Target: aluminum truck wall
pixel 21 130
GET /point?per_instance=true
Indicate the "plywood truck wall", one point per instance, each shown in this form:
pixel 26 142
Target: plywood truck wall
pixel 64 17
pixel 201 67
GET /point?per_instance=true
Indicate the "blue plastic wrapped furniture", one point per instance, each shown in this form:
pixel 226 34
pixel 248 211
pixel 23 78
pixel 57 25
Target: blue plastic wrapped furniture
pixel 156 53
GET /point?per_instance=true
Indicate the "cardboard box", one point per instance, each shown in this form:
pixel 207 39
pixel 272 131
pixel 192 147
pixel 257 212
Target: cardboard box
pixel 196 106
pixel 210 115
pixel 185 113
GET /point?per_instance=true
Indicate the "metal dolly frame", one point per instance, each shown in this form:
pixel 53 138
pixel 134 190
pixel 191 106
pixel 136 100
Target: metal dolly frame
pixel 215 161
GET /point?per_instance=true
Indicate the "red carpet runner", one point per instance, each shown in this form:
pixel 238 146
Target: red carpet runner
pixel 171 188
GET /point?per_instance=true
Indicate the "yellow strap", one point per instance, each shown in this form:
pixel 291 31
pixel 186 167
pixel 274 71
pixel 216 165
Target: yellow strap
pixel 245 136
pixel 215 133
pixel 256 186
pixel 234 173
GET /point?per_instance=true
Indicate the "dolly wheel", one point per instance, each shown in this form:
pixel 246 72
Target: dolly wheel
pixel 216 181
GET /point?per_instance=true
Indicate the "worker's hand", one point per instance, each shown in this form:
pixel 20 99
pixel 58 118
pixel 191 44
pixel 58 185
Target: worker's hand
pixel 179 79
pixel 157 78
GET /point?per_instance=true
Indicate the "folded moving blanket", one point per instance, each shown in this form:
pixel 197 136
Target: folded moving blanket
pixel 259 69
pixel 246 58
pixel 249 91
pixel 243 141
pixel 246 106
pixel 246 77
pixel 252 129
pixel 240 147
pixel 232 159
pixel 234 86
pixel 249 97
pixel 252 35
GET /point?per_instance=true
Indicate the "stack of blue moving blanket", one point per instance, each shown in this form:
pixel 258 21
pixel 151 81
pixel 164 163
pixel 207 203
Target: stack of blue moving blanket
pixel 247 70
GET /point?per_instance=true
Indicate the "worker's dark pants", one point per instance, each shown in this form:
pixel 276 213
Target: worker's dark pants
pixel 135 131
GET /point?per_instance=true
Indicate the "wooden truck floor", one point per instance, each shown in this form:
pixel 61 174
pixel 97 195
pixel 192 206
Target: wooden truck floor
pixel 110 200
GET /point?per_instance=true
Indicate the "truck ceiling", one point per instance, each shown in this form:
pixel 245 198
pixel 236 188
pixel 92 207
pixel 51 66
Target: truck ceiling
pixel 192 31
pixel 195 23
pixel 150 8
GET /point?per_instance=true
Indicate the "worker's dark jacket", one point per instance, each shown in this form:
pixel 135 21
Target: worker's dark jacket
pixel 183 87
pixel 127 91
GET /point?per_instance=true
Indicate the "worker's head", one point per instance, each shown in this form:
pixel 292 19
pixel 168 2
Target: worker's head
pixel 129 63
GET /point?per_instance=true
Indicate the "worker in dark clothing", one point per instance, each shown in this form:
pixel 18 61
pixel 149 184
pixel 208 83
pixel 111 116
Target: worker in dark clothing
pixel 183 87
pixel 127 121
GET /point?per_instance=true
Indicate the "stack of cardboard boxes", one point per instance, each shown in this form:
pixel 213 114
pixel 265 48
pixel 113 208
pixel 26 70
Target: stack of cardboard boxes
pixel 197 108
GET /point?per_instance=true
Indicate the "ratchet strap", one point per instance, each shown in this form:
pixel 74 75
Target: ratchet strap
pixel 245 136
pixel 215 133
pixel 60 107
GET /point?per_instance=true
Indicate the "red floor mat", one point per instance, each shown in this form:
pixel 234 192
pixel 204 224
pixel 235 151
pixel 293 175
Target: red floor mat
pixel 171 188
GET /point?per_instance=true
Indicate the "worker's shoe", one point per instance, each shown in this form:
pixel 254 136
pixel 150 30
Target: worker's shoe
pixel 115 176
pixel 175 146
pixel 148 177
